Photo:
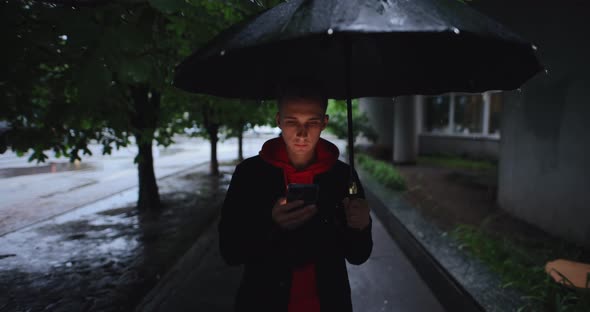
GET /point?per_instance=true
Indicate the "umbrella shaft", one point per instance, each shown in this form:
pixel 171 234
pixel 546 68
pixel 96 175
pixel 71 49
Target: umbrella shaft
pixel 350 135
pixel 352 187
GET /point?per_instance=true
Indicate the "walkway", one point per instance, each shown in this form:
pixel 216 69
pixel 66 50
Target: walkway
pixel 202 282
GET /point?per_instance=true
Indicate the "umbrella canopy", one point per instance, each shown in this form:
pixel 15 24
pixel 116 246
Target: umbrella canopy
pixel 359 48
pixel 385 48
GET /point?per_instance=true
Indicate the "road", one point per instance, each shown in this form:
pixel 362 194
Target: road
pixel 31 193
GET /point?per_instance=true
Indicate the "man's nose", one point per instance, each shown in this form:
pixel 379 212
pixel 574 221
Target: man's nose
pixel 302 131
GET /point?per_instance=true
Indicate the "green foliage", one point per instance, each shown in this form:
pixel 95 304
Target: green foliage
pixel 70 69
pixel 338 123
pixel 96 71
pixel 169 6
pixel 521 266
pixel 448 161
pixel 67 94
pixel 245 114
pixel 384 172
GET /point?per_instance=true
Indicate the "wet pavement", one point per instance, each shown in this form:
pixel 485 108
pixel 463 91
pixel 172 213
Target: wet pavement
pixel 52 167
pixel 31 194
pixel 106 256
pixel 201 281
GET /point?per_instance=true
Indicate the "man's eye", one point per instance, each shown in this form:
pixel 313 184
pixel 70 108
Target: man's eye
pixel 313 124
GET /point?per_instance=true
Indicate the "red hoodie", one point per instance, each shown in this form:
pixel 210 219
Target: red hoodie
pixel 303 295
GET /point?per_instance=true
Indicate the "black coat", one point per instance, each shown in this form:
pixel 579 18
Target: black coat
pixel 249 236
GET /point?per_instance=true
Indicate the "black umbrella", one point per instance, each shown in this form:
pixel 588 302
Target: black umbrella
pixel 361 48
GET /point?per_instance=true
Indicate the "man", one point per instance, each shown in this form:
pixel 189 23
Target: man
pixel 294 259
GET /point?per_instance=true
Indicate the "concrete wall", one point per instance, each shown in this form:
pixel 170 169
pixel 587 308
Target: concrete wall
pixel 380 114
pixel 544 168
pixel 405 143
pixel 472 147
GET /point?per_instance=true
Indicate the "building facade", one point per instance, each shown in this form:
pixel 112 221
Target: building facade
pixel 539 134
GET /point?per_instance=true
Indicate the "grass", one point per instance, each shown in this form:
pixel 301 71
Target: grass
pixel 383 172
pixel 521 265
pixel 448 161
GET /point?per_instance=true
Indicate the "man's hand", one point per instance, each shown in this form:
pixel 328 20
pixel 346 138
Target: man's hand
pixel 357 213
pixel 291 219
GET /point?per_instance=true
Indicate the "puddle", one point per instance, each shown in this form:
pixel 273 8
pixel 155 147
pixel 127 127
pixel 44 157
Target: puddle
pixel 52 167
pixel 105 256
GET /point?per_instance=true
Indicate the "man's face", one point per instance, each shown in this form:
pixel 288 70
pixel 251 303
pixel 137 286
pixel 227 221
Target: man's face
pixel 301 121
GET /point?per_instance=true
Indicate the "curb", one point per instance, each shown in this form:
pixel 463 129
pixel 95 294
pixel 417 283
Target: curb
pixel 165 288
pixel 447 290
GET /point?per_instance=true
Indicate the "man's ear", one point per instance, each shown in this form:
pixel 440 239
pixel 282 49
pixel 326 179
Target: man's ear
pixel 326 119
pixel 278 120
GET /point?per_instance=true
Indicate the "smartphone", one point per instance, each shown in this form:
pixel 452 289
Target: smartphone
pixel 306 192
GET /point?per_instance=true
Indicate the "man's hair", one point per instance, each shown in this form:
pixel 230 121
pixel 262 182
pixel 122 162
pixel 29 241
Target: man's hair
pixel 300 88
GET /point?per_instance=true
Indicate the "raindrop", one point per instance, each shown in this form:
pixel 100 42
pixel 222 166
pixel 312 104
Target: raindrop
pixel 69 264
pixel 330 31
pixel 546 71
pixel 456 30
pixel 519 90
pixel 534 47
pixel 385 302
pixel 63 37
pixel 222 53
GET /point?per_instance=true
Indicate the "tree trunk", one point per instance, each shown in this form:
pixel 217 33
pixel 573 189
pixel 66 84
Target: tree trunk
pixel 146 105
pixel 214 166
pixel 212 127
pixel 240 146
pixel 149 197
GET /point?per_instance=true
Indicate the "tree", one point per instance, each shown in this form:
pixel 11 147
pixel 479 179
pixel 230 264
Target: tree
pixel 216 118
pixel 82 71
pixel 338 124
pixel 205 114
pixel 246 115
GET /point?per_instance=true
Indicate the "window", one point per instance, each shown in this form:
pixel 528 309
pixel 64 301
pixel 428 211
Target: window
pixel 495 113
pixel 463 114
pixel 437 113
pixel 468 114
